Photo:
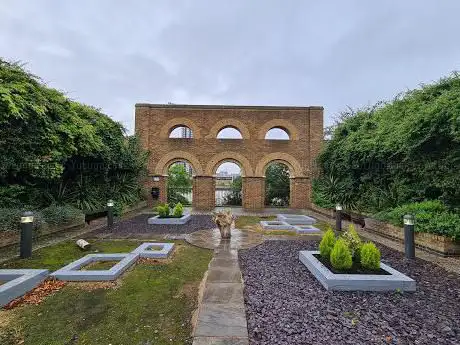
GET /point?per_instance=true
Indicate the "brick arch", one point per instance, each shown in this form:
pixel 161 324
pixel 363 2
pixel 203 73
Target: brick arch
pixel 295 169
pixel 175 156
pixel 291 130
pixel 238 158
pixel 177 122
pixel 228 122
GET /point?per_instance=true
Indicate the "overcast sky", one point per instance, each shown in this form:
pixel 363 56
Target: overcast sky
pixel 113 54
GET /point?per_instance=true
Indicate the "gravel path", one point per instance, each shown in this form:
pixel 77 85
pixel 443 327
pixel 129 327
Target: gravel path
pixel 285 304
pixel 138 225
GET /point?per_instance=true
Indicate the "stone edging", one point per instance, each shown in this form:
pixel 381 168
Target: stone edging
pixel 434 243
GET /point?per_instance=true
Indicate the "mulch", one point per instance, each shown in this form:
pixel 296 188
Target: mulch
pixel 285 304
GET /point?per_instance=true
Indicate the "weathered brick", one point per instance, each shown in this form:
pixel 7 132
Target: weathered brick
pixel 253 153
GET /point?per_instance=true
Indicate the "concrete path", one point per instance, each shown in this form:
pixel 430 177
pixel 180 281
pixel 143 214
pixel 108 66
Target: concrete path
pixel 222 315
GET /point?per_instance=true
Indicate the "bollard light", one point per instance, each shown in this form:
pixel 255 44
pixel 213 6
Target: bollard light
pixel 27 217
pixel 409 219
pixel 25 246
pixel 110 213
pixel 409 240
pixel 338 217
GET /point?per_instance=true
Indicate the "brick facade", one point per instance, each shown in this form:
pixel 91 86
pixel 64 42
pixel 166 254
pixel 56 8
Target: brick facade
pixel 253 153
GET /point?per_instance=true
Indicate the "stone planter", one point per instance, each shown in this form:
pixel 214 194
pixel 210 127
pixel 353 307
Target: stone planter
pixel 18 282
pixel 172 221
pixel 436 243
pixel 395 280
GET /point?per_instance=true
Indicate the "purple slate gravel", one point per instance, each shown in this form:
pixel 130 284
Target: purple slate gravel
pixel 138 225
pixel 285 304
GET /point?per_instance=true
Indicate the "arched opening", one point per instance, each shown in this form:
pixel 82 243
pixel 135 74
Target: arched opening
pixel 277 185
pixel 277 133
pixel 228 184
pixel 229 133
pixel 181 131
pixel 180 183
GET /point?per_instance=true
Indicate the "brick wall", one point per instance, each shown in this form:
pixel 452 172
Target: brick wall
pixel 253 153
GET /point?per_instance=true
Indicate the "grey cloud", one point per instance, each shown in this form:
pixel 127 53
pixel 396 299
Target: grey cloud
pixel 112 54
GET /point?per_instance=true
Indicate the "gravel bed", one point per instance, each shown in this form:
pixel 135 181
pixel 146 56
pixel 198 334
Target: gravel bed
pixel 138 225
pixel 285 304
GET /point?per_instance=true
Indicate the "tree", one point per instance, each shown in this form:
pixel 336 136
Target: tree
pixel 397 152
pixel 179 184
pixel 277 185
pixel 55 150
pixel 234 197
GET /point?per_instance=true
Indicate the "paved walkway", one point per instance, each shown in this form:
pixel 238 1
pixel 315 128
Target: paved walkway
pixel 222 315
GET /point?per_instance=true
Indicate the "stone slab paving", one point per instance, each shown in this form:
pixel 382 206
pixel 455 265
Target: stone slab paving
pixel 222 315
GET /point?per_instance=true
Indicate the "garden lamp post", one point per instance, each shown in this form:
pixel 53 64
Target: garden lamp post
pixel 25 249
pixel 338 217
pixel 110 213
pixel 409 244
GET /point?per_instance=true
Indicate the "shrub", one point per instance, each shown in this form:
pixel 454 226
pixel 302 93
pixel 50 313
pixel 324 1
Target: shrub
pixel 353 241
pixel 395 215
pixel 10 219
pixel 327 243
pixel 430 216
pixel 163 210
pixel 178 210
pixel 341 258
pixel 57 215
pixel 370 256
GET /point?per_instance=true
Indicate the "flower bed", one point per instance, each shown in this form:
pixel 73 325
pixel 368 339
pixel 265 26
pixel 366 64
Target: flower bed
pixel 347 264
pixel 436 243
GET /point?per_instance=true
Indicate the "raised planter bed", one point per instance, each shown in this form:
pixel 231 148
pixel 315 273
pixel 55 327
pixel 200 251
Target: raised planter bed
pixel 169 220
pixel 306 229
pixel 296 219
pixel 324 211
pixel 18 282
pixel 145 250
pixel 276 225
pixel 435 243
pixel 74 272
pixel 392 281
pixel 8 238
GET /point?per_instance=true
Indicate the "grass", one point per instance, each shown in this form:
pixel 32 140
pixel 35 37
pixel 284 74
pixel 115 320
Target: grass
pixel 57 256
pixel 99 265
pixel 244 221
pixel 152 304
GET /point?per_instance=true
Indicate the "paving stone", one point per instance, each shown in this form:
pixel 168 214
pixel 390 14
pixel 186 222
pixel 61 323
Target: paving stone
pixel 221 320
pixel 224 275
pixel 223 293
pixel 220 341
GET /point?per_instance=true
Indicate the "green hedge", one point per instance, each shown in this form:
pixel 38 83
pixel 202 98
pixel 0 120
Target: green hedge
pixel 430 216
pixel 56 215
pixel 398 152
pixel 51 216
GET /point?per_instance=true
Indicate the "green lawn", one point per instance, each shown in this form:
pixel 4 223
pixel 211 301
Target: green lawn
pixel 244 221
pixel 57 256
pixel 152 304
